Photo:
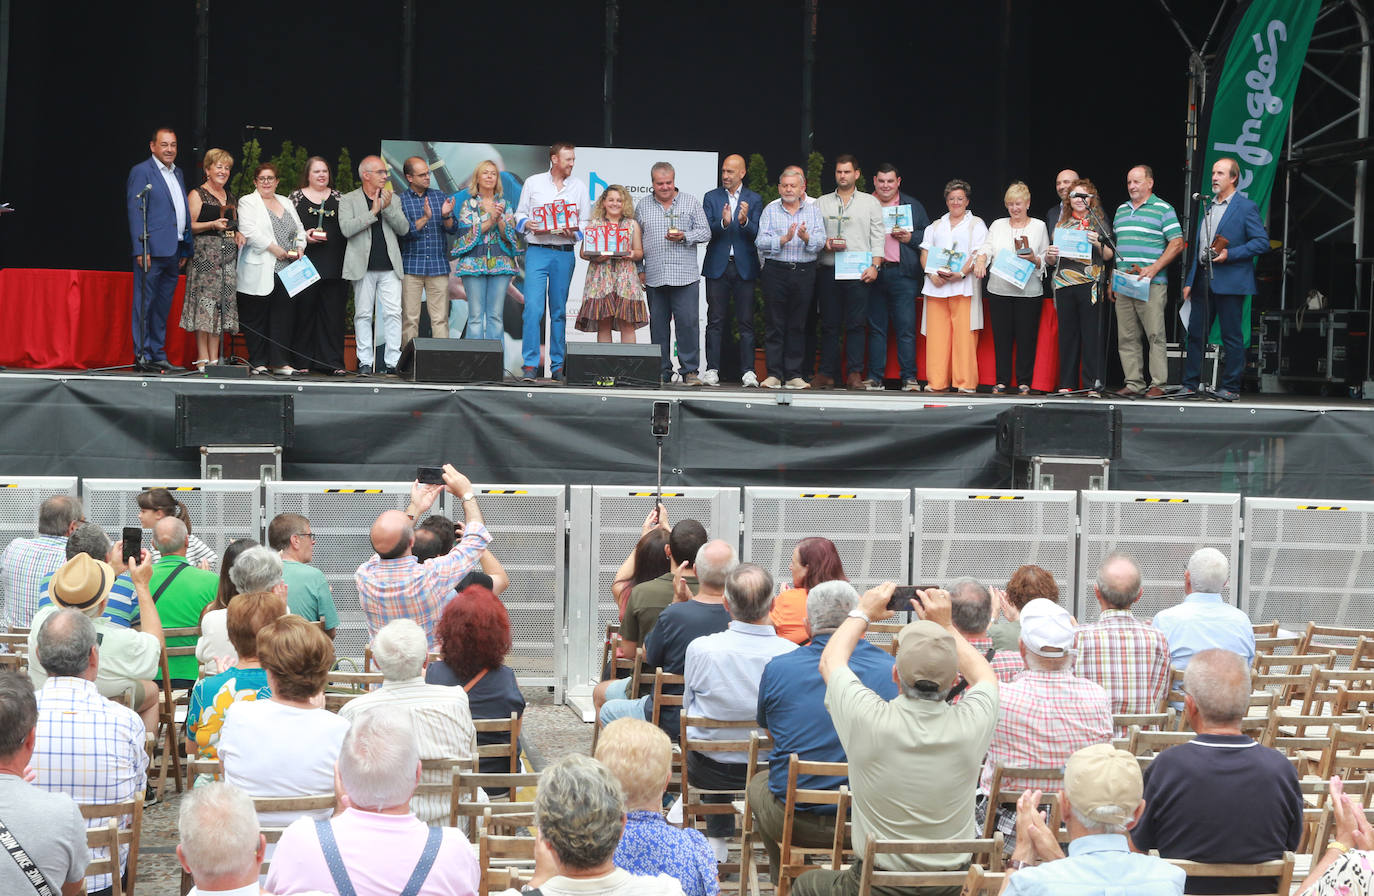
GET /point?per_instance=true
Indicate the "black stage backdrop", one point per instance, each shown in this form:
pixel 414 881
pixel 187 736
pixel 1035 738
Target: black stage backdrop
pixel 978 89
pixel 94 427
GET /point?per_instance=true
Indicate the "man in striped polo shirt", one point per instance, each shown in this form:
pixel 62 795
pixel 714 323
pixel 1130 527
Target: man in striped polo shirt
pixel 1148 239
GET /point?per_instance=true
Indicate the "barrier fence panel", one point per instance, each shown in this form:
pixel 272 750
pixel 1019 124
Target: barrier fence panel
pixel 527 524
pixel 987 534
pixel 20 498
pixel 1160 530
pixel 341 516
pixel 1309 561
pixel 220 510
pixel 616 515
pixel 871 529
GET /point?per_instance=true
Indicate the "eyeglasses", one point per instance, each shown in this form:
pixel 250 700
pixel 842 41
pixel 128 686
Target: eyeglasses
pixel 265 179
pixel 379 172
pixel 1080 195
pixel 420 174
pixel 309 535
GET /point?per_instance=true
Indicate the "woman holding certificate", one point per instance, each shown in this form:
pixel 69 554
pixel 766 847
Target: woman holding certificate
pixel 953 308
pixel 1015 256
pixel 274 238
pixel 1079 255
pixel 320 306
pixel 613 295
pixel 485 251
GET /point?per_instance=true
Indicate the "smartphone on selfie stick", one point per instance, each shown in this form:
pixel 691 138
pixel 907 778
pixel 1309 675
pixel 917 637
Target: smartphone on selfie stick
pixel 658 425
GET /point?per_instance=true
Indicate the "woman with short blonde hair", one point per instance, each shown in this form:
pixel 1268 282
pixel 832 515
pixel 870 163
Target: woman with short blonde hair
pixel 1014 309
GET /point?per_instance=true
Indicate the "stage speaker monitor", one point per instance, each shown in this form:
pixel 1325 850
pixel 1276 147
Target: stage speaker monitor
pixel 1029 431
pixel 612 364
pixel 452 361
pixel 235 420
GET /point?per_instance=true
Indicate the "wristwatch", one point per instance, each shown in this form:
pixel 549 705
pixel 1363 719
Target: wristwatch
pixel 857 613
pixel 469 497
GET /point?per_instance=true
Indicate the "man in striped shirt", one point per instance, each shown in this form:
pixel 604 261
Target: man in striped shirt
pixel 1148 239
pixel 26 561
pixel 791 237
pixel 1127 656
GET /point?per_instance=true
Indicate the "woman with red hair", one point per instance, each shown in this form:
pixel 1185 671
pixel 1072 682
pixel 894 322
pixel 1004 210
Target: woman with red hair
pixel 474 638
pixel 814 560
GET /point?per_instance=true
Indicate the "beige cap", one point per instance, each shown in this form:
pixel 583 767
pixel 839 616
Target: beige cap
pixel 1046 628
pixel 1104 783
pixel 81 583
pixel 926 652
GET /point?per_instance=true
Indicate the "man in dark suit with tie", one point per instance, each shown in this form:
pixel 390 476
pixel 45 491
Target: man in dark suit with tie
pixel 158 182
pixel 1236 220
pixel 731 267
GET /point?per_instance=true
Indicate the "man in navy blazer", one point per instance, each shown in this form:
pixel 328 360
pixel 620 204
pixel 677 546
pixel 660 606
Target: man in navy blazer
pixel 156 181
pixel 1235 218
pixel 731 267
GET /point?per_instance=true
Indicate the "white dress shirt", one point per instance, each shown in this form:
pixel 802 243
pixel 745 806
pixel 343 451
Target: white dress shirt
pixel 539 190
pixel 169 174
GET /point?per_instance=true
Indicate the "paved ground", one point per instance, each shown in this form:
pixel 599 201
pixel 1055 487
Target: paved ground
pixel 548 732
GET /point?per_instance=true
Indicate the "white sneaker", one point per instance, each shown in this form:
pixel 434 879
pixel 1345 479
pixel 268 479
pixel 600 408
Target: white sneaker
pixel 911 386
pixel 798 383
pixel 750 380
pixel 710 378
pixel 771 383
pixel 721 847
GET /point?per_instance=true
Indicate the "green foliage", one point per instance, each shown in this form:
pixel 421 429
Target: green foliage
pixel 756 177
pixel 345 175
pixel 290 164
pixel 815 166
pixel 241 184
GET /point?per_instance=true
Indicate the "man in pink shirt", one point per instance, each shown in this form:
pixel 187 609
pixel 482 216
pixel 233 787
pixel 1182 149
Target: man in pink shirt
pixel 376 844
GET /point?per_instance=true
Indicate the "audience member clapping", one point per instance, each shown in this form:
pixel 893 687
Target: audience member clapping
pixel 1025 585
pixel 971 612
pixel 1346 867
pixel 285 745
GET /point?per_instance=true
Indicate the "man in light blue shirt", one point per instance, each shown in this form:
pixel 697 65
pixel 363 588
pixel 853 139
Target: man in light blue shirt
pixel 1204 620
pixel 1101 801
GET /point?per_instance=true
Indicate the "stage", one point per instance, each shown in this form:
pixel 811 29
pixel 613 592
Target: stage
pixel 379 428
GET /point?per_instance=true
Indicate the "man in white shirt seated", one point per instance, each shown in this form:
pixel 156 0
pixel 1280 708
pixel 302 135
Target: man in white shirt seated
pixel 439 714
pixel 375 846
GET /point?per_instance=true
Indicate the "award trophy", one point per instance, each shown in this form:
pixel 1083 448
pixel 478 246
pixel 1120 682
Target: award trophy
pixel 951 261
pixel 837 242
pixel 672 215
pixel 1022 244
pixel 318 231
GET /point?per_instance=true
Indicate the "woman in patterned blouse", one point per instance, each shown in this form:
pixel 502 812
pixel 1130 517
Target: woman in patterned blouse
pixel 1078 291
pixel 485 254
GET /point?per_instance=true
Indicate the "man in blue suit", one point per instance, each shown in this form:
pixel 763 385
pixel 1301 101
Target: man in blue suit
pixel 156 181
pixel 1236 219
pixel 731 267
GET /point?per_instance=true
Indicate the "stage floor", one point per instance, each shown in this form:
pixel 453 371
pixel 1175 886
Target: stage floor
pixel 117 423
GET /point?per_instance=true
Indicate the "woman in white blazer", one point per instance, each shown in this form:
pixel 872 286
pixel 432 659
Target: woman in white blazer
pixel 274 238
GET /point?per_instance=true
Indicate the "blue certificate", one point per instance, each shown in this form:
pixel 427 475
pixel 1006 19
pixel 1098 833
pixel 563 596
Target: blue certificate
pixel 1016 271
pixel 850 265
pixel 1073 243
pixel 298 275
pixel 897 217
pixel 1130 286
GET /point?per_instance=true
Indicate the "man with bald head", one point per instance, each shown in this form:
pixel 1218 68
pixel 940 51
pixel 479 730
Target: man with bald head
pixel 731 268
pixel 393 584
pixel 371 223
pixel 181 592
pixel 1148 239
pixel 1062 181
pixel 1127 656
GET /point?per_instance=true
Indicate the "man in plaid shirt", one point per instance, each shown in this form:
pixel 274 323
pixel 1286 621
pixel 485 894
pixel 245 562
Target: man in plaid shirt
pixel 394 585
pixel 971 612
pixel 1128 657
pixel 27 561
pixel 1048 713
pixel 424 251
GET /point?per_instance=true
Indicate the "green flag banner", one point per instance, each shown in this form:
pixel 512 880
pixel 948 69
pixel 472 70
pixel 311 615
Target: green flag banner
pixel 1254 95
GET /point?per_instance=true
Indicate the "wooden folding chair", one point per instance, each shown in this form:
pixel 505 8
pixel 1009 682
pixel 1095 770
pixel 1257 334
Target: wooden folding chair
pixel 464 808
pixel 342 686
pixel 1279 869
pixel 635 667
pixel 1174 692
pixel 749 873
pixel 661 698
pixel 983 883
pixel 1146 721
pixel 1344 640
pixel 14 650
pixel 509 748
pixel 103 843
pixel 127 818
pixel 987 850
pixel 792 856
pixel 299 805
pixel 1351 750
pixel 1266 629
pixel 1349 701
pixel 502 856
pixel 1151 743
pixel 1006 787
pixel 1321 694
pixel 1287 674
pixel 168 736
pixel 196 766
pixel 692 809
pixel 436 787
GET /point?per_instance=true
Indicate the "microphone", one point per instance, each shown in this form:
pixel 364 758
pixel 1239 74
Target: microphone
pixel 147 188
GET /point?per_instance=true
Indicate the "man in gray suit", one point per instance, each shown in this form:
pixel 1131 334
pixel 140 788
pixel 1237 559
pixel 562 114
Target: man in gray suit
pixel 372 221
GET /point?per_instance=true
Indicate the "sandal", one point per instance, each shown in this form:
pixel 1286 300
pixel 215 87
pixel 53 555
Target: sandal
pixel 259 370
pixel 999 389
pixel 200 363
pixel 1023 389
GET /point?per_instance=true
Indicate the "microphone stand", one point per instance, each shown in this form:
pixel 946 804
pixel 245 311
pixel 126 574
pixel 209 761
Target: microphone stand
pixel 141 272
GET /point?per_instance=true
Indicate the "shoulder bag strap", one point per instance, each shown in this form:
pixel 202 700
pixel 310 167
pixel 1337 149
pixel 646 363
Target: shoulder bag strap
pixel 962 686
pixel 476 678
pixel 330 848
pixel 417 877
pixel 26 864
pixel 167 581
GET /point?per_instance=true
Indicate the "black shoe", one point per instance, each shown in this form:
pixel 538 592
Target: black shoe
pixel 1226 395
pixel 166 366
pixel 143 365
pixel 559 376
pixel 390 371
pixel 364 370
